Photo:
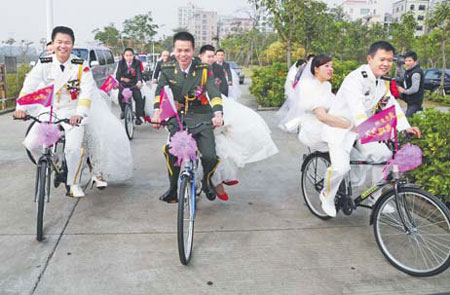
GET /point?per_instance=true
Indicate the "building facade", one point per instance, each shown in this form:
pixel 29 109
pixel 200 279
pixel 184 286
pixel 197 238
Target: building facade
pixel 418 8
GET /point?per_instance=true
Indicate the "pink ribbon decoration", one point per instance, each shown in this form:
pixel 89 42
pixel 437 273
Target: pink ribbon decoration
pixel 408 158
pixel 127 94
pixel 46 134
pixel 183 146
pixel 42 96
pixel 378 127
pixel 109 84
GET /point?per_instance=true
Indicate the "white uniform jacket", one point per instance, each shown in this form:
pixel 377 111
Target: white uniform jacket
pixel 357 100
pixel 76 77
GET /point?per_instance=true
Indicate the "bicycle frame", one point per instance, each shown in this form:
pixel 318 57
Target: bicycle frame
pixel 190 166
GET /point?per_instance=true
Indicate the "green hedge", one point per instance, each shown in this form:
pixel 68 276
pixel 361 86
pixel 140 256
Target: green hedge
pixel 437 97
pixel 268 82
pixel 341 70
pixel 268 85
pixel 434 174
pixel 14 82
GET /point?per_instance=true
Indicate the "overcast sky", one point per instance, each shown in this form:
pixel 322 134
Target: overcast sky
pixel 26 19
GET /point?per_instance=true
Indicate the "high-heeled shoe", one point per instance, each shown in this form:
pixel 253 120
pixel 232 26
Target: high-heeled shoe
pixel 231 182
pixel 99 182
pixel 223 197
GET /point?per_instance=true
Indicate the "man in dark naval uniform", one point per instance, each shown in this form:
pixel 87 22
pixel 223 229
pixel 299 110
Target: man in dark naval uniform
pixel 188 78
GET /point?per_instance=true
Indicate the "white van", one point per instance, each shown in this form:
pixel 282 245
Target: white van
pixel 100 59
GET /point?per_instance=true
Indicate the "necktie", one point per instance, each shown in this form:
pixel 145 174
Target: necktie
pixel 62 68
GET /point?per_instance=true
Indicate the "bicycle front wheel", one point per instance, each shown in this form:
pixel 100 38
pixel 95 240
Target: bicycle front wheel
pixel 185 228
pixel 313 175
pixel 129 121
pixel 42 187
pixel 415 236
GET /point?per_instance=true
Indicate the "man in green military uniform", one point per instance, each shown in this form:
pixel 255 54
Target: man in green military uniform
pixel 190 81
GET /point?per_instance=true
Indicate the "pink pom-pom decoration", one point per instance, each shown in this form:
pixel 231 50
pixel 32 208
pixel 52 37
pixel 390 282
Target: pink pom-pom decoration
pixel 46 134
pixel 183 146
pixel 127 94
pixel 408 158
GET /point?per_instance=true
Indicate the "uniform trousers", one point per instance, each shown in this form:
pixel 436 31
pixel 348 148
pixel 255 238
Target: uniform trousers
pixel 340 162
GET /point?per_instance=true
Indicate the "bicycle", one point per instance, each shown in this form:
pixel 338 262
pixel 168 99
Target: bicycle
pixel 52 160
pixel 130 113
pixel 189 188
pixel 415 238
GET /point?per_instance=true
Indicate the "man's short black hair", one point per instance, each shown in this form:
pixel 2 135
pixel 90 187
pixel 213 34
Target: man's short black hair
pixel 48 43
pixel 220 50
pixel 184 36
pixel 63 30
pixel 205 48
pixel 128 49
pixel 380 45
pixel 411 54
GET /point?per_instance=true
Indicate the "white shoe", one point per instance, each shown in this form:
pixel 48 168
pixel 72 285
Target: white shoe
pixel 76 191
pixel 99 182
pixel 328 205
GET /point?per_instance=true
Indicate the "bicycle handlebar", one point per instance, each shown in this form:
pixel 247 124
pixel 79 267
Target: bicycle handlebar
pixel 29 117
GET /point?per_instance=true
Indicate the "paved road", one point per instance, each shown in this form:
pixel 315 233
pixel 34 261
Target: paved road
pixel 122 240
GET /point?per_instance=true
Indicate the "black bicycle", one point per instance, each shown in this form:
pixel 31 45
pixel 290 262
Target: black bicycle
pixel 130 113
pixel 52 161
pixel 411 226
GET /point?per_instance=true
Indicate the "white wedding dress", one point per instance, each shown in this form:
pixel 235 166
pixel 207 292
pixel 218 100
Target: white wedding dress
pixel 234 90
pixel 245 138
pixel 287 112
pixel 108 145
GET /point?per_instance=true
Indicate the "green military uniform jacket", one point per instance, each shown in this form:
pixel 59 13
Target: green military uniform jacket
pixel 185 87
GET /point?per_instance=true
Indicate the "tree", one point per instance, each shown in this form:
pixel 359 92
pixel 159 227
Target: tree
pixel 312 25
pixel 403 32
pixel 439 19
pixel 24 46
pixel 140 29
pixel 109 36
pixel 286 17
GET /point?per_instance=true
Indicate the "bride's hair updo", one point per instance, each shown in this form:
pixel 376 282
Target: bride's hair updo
pixel 319 60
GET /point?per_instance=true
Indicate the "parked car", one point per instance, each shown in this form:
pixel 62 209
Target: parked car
pixel 100 59
pixel 238 70
pixel 432 79
pixel 146 63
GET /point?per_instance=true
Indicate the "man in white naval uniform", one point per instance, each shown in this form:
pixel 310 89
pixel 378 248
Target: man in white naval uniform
pixel 73 84
pixel 361 93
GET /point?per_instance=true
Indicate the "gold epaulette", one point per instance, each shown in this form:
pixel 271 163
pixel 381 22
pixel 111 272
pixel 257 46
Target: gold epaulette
pixel 202 66
pixel 46 59
pixel 167 65
pixel 77 61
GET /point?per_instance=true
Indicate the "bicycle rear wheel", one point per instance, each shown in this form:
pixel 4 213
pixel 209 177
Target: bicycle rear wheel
pixel 312 182
pixel 185 226
pixel 42 187
pixel 129 121
pixel 419 246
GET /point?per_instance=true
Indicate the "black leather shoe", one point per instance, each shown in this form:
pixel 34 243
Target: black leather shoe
pixel 209 192
pixel 138 121
pixel 170 196
pixel 122 115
